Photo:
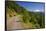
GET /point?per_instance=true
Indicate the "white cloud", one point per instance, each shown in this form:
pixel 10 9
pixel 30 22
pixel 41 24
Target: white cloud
pixel 36 10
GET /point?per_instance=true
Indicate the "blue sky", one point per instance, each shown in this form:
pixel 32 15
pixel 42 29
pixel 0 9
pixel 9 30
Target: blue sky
pixel 32 6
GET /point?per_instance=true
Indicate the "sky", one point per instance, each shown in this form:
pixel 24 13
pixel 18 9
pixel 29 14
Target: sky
pixel 32 6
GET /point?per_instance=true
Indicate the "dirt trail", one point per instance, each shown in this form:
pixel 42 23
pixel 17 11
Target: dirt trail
pixel 13 24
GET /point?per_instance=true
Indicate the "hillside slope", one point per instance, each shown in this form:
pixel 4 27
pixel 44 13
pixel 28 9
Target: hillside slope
pixel 28 19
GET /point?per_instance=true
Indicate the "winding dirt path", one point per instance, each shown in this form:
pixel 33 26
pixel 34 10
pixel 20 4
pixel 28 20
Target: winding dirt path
pixel 13 23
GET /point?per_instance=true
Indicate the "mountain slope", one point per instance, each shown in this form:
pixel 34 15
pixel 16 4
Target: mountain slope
pixel 28 19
